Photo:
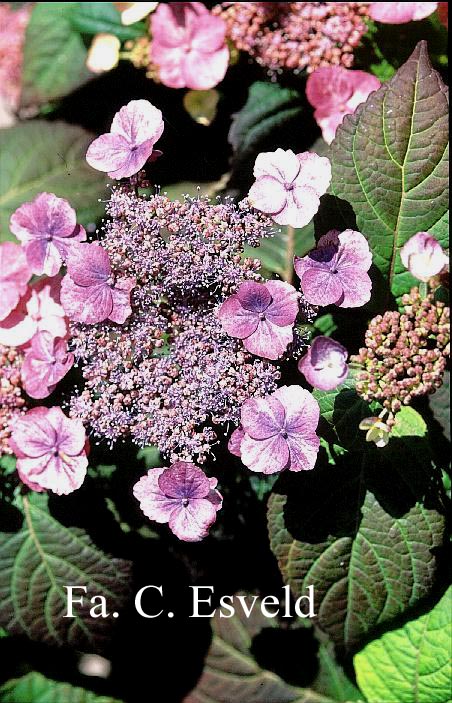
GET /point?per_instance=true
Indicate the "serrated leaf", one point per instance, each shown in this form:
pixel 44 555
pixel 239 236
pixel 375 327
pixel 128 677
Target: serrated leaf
pixel 36 688
pixel 411 664
pixel 54 54
pixel 276 253
pixel 367 565
pixel 38 562
pixel 231 673
pixel 389 161
pixel 103 17
pixel 42 156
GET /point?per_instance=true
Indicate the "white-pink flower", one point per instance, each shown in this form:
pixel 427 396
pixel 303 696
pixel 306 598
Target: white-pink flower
pixel 46 362
pixel 188 45
pixel 50 449
pixel 401 12
pixel 423 256
pixel 14 276
pixel 336 91
pixel 288 186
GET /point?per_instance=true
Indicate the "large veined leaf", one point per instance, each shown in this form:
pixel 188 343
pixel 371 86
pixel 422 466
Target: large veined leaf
pixel 390 162
pixel 42 156
pixel 54 54
pixel 38 562
pixel 231 674
pixel 412 664
pixel 276 253
pixel 367 566
pixel 36 688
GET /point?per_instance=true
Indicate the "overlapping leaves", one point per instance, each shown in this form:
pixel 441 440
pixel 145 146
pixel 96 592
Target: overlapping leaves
pixel 36 688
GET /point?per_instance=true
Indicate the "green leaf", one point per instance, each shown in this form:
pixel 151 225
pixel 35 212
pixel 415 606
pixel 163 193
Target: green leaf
pixel 103 17
pixel 54 54
pixel 367 564
pixel 231 673
pixel 408 423
pixel 440 405
pixel 276 253
pixel 389 161
pixel 42 156
pixel 38 562
pixel 331 679
pixel 36 688
pixel 411 664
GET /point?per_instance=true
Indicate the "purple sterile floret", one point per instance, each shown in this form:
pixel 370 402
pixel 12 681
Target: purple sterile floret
pixel 325 364
pixel 46 362
pixel 335 272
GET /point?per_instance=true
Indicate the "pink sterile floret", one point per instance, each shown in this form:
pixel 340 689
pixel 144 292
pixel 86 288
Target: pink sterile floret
pixel 124 150
pixel 335 272
pixel 325 364
pixel 14 276
pixel 262 315
pixel 183 496
pixel 47 228
pixel 335 92
pixel 39 310
pixel 423 256
pixel 279 431
pixel 188 45
pixel 288 186
pixel 400 12
pixel 46 362
pixel 90 292
pixel 50 449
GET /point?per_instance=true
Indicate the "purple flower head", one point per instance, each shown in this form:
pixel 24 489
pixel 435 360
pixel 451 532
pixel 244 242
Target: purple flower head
pixel 124 150
pixel 50 450
pixel 262 315
pixel 288 186
pixel 423 256
pixel 183 496
pixel 46 362
pixel 325 364
pixel 279 431
pixel 335 272
pixel 47 228
pixel 90 292
pixel 14 276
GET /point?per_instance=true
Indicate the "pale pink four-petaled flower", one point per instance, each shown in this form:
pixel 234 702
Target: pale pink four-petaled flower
pixel 181 495
pixel 335 91
pixel 288 186
pixel 278 431
pixel 14 276
pixel 90 292
pixel 124 150
pixel 262 315
pixel 335 272
pixel 51 450
pixel 325 364
pixel 401 12
pixel 188 45
pixel 47 228
pixel 46 362
pixel 423 256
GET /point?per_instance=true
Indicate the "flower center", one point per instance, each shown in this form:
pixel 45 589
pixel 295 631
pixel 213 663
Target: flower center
pixel 111 280
pixel 185 502
pixel 262 316
pixel 284 434
pixel 289 186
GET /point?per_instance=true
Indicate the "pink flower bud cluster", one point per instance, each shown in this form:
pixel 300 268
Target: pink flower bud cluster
pixel 406 353
pixel 12 403
pixel 296 35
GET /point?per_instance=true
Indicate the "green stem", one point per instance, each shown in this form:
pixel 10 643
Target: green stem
pixel 290 252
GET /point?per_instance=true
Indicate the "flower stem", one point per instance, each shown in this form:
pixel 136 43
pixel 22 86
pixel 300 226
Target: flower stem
pixel 290 251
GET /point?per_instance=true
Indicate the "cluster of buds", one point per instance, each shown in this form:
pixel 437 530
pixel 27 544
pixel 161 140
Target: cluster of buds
pixel 11 401
pixel 406 353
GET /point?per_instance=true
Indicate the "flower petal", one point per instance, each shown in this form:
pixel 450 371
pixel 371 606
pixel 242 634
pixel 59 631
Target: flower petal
pixel 203 71
pixel 321 287
pixel 191 523
pixel 269 341
pixel 254 297
pixel 138 122
pixel 266 456
pixel 262 417
pixel 88 304
pixel 301 408
pixel 268 195
pixel 184 480
pixel 108 152
pixel 88 264
pixel 284 306
pixel 235 320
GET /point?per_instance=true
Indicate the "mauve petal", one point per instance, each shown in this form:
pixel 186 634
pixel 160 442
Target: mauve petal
pixel 88 264
pixel 354 250
pixel 108 152
pixel 363 85
pixel 138 122
pixel 191 523
pixel 328 87
pixel 423 256
pixel 46 215
pixel 235 441
pixel 401 12
pixel 203 71
pixel 329 123
pixel 71 435
pixel 86 304
pixel 269 341
pixel 184 480
pixel 43 257
pixel 172 22
pixel 235 320
pixel 134 162
pixel 14 276
pixel 281 165
pixel 62 476
pixel 268 195
pixel 303 451
pixel 301 408
pixel 266 456
pixel 45 364
pixel 148 485
pixel 324 365
pixel 121 300
pixel 208 34
pixel 170 63
pixel 321 287
pixel 34 435
pixel 284 306
pixel 18 328
pixel 262 418
pixel 315 172
pixel 301 205
pixel 356 287
pixel 24 478
pixel 215 497
pixel 254 297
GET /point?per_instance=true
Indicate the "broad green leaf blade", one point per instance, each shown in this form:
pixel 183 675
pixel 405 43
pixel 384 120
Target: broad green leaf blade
pixel 332 680
pixel 363 575
pixel 390 162
pixel 102 17
pixel 47 156
pixel 36 688
pixel 38 562
pixel 412 664
pixel 54 54
pixel 276 253
pixel 231 674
